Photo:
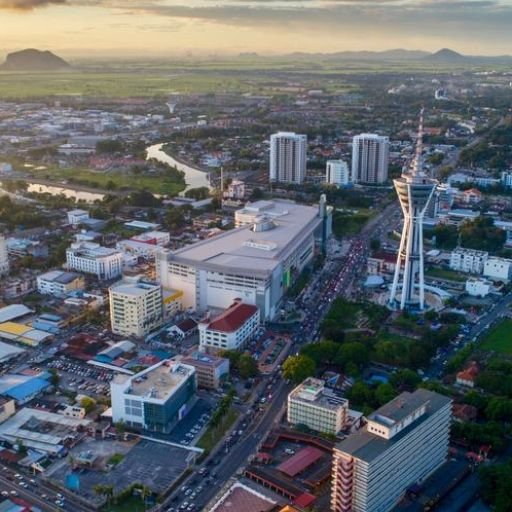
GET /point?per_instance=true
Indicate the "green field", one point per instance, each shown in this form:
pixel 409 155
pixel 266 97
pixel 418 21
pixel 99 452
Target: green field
pixel 499 339
pixel 119 85
pixel 158 78
pixel 158 184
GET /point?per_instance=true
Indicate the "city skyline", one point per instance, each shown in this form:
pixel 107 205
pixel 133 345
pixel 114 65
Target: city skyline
pixel 164 27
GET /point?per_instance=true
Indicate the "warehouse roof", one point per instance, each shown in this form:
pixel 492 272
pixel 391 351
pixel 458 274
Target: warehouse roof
pixel 13 311
pixel 7 351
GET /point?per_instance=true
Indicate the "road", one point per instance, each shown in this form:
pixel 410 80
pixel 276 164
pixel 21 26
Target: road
pixel 31 496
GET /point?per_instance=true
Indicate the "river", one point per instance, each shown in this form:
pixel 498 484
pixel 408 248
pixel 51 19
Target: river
pixel 194 177
pixel 89 197
pixel 56 190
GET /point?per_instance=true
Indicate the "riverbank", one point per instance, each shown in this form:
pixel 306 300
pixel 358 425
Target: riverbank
pixel 194 177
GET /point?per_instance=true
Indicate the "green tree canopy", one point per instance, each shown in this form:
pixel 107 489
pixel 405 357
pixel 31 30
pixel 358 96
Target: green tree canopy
pixel 298 368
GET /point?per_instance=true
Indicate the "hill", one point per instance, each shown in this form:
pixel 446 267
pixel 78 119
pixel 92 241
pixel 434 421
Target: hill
pixel 33 60
pixel 446 55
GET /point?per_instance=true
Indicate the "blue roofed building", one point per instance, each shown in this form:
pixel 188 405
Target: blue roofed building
pixel 23 388
pixel 49 323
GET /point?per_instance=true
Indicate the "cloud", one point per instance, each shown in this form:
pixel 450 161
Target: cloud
pixel 27 5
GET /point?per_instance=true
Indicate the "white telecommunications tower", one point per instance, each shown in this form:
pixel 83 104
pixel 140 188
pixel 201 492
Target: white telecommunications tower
pixel 414 189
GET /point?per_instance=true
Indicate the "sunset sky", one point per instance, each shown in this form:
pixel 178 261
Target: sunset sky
pixel 163 27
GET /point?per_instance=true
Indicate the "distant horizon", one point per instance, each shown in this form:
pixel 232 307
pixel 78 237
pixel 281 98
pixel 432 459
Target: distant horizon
pixel 104 54
pixel 123 28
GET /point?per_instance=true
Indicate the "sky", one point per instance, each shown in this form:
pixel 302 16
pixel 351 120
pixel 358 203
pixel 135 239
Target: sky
pixel 137 28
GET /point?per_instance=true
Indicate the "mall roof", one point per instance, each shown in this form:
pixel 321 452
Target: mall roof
pixel 253 251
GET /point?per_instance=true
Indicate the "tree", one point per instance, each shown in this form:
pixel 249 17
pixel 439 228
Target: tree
pixel 352 352
pixel 384 393
pixel 499 409
pixel 496 482
pixel 298 368
pixel 375 244
pixel 481 234
pixel 247 366
pixel 405 378
pixel 54 377
pixel 232 355
pixel 109 146
pixel 143 198
pixel 174 219
pixel 88 404
pixel 323 352
pixel 446 236
pixel 120 427
pixel 360 393
pixel 198 193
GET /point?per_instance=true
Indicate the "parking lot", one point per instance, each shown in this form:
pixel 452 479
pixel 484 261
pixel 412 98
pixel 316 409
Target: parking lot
pixel 148 462
pixel 189 429
pixel 81 378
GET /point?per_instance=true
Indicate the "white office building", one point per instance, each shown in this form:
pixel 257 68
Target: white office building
pixel 136 308
pixel 478 287
pixel 231 330
pixel 154 399
pixel 403 443
pixel 4 257
pixel 76 217
pixel 288 157
pixel 337 173
pixel 499 269
pixel 370 158
pixel 318 407
pixel 256 263
pixel 92 258
pixel 470 261
pixel 59 283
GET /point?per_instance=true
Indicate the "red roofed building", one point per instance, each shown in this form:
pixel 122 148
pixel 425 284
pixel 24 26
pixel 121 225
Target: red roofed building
pixel 468 376
pixel 471 196
pixel 464 412
pixel 301 461
pixel 230 330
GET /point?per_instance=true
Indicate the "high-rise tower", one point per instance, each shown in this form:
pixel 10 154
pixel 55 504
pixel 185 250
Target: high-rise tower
pixel 414 189
pixel 370 158
pixel 288 157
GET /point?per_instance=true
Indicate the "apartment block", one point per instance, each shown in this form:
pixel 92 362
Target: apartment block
pixel 403 443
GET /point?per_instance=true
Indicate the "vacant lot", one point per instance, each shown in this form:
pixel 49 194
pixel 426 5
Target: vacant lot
pixel 499 338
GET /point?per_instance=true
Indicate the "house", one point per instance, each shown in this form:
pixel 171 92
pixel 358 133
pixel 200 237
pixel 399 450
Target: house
pixel 468 376
pixel 464 412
